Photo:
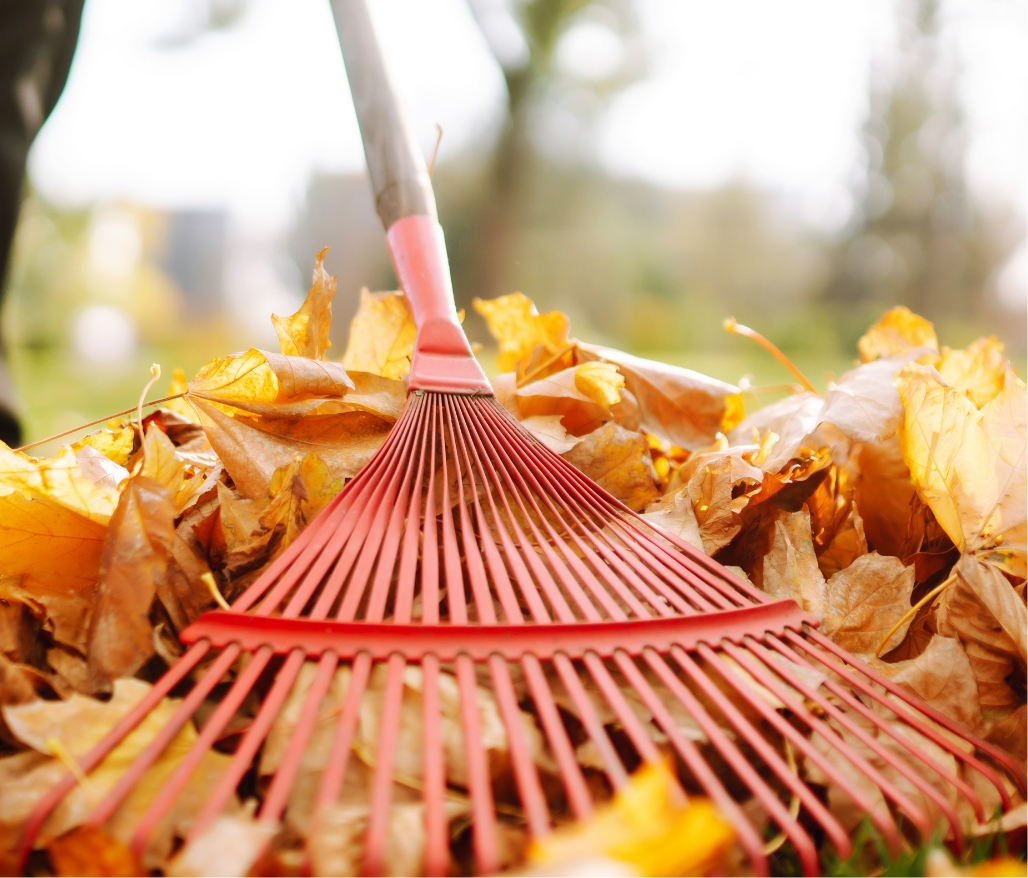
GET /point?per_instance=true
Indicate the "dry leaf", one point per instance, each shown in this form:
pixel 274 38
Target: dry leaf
pixel 561 394
pixel 519 328
pixel 674 513
pixel 848 544
pixel 181 407
pixel 647 825
pixel 678 405
pixel 886 499
pixel 968 465
pixel 865 600
pixel 790 567
pixel 942 677
pixel 305 334
pixel 135 559
pixel 253 449
pixel 989 648
pixel 115 445
pixel 381 336
pixel 979 371
pixel 619 462
pixel 89 851
pixel 791 420
pixel 78 724
pixel 865 405
pixel 230 846
pixel 898 330
pixel 53 520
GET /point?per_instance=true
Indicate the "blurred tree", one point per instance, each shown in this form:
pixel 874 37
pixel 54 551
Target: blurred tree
pixel 552 99
pixel 918 238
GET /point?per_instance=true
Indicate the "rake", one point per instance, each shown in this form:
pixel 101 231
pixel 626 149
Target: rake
pixel 468 554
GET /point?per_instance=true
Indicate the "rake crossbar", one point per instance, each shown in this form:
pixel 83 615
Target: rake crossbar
pixel 382 640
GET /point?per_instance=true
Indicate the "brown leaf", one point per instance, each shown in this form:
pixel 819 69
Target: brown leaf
pixel 885 498
pixel 941 676
pixel 563 394
pixel 848 544
pixel 136 556
pixel 305 334
pixel 253 449
pixel 865 600
pixel 89 851
pixel 619 462
pixel 989 648
pixel 791 420
pixel 678 405
pixel 790 567
pixel 864 404
pixel 78 724
pixel 674 512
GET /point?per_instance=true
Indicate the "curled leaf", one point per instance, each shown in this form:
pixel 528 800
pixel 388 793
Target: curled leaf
pixel 898 330
pixel 305 333
pixel 518 326
pixel 381 336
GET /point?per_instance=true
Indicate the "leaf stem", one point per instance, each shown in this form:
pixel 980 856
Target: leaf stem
pixel 155 372
pixel 935 592
pixel 134 408
pixel 731 326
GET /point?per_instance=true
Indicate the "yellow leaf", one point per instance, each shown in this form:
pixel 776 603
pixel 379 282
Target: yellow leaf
pixel 979 371
pixel 560 394
pixel 601 382
pixel 968 465
pixel 115 445
pixel 619 462
pixel 305 334
pixel 518 326
pixel 180 384
pixel 252 449
pixel 53 521
pixel 680 406
pixel 646 826
pixel 264 383
pixel 381 336
pixel 898 330
pixel 299 492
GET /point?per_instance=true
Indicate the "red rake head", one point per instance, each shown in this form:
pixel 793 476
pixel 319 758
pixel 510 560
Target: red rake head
pixel 474 620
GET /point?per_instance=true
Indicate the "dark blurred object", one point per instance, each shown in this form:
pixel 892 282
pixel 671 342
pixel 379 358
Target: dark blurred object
pixel 194 256
pixel 37 42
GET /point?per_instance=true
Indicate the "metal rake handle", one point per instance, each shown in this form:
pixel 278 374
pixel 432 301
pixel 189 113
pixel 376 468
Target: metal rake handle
pixel 398 173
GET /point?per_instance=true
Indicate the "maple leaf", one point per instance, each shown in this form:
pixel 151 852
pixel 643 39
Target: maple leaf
pixel 619 462
pixel 381 336
pixel 789 569
pixel 968 465
pixel 678 405
pixel 181 407
pixel 707 502
pixel 116 445
pixel 790 420
pixel 305 333
pixel 978 371
pixel 898 330
pixel 864 600
pixel 517 325
pixel 261 410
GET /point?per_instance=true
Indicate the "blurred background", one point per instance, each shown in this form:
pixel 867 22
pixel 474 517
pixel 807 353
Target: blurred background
pixel 647 166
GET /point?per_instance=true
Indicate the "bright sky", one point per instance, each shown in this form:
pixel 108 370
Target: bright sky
pixel 775 93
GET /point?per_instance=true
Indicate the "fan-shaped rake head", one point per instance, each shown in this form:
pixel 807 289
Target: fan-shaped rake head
pixel 473 627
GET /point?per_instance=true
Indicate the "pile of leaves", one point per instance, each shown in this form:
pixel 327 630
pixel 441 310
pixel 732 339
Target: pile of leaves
pixel 893 508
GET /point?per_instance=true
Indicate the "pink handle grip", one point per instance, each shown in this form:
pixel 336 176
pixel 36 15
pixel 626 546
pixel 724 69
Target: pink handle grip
pixel 442 359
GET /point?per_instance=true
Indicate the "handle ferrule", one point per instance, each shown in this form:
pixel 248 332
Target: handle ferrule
pixel 442 359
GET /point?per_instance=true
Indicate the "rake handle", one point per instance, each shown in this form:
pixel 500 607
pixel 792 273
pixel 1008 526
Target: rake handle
pixel 442 360
pixel 399 177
